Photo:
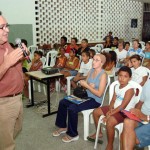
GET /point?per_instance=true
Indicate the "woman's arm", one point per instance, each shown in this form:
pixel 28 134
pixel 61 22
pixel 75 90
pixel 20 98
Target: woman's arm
pixel 74 66
pixel 35 68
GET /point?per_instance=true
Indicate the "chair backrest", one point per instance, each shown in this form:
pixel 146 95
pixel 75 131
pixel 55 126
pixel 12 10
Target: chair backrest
pixel 106 50
pixel 96 49
pixel 134 84
pixel 99 47
pixel 32 49
pixel 43 59
pixel 51 57
pixel 108 83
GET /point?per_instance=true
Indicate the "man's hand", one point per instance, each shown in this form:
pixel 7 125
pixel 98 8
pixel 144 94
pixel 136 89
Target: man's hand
pixel 13 57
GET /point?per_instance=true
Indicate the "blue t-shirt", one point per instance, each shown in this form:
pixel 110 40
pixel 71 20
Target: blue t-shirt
pixel 133 52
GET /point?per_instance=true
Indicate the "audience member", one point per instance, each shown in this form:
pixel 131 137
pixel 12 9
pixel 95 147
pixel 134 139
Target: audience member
pixel 85 67
pixel 146 61
pixel 95 84
pixel 139 73
pixel 108 42
pixel 71 67
pixel 72 45
pixel 92 53
pixel 110 35
pixel 136 133
pixel 84 47
pixel 115 43
pixel 127 46
pixel 123 98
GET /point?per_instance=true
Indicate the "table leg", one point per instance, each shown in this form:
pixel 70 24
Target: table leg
pixel 32 94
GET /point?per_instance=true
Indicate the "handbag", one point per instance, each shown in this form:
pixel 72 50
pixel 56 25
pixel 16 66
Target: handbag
pixel 80 92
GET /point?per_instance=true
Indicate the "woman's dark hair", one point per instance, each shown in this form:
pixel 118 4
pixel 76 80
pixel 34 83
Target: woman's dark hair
pixel 108 59
pixel 65 39
pixel 73 50
pixel 86 53
pixel 125 69
pixel 127 43
pixel 86 40
pixel 113 56
pixel 74 38
pixel 92 51
pixel 136 57
pixel 24 41
pixel 38 53
pixel 116 38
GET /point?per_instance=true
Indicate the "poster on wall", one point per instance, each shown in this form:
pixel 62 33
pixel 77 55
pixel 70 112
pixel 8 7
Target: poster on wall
pixel 134 23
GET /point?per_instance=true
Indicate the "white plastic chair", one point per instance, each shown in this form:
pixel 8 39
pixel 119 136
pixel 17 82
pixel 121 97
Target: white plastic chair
pixel 96 49
pixel 51 55
pixel 32 49
pixel 87 113
pixel 119 127
pixel 106 50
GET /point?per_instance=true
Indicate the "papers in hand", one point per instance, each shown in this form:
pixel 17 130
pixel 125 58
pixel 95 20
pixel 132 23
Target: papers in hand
pixel 75 99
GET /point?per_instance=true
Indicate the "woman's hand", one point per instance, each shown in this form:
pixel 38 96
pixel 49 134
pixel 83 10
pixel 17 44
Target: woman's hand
pixel 92 85
pixel 84 83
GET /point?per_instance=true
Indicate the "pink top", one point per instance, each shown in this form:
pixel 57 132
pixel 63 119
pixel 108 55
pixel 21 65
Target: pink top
pixel 12 81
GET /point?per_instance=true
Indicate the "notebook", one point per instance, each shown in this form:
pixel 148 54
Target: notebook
pixel 75 100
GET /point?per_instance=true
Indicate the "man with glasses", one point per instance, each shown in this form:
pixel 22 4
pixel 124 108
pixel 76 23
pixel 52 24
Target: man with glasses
pixel 11 86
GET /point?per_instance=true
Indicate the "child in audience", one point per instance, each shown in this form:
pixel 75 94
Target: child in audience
pixel 123 98
pixel 72 45
pixel 146 62
pixel 61 60
pixel 127 46
pixel 35 66
pixel 139 73
pixel 92 53
pixel 115 43
pixel 85 66
pixel 71 67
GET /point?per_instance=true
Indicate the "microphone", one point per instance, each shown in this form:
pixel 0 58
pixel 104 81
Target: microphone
pixel 18 42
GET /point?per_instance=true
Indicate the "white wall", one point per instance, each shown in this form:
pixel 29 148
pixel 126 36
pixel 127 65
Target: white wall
pixel 19 12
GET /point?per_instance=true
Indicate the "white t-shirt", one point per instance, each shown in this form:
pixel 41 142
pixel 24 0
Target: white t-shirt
pixel 121 54
pixel 85 68
pixel 138 74
pixel 120 93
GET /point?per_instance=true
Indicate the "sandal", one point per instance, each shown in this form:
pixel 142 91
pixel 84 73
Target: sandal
pixel 68 139
pixel 89 138
pixel 58 133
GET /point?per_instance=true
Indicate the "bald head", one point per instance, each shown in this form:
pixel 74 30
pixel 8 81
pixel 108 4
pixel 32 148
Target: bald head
pixel 102 57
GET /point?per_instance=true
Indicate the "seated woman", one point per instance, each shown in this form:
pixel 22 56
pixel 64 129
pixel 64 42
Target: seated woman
pixel 108 42
pixel 123 98
pixel 146 62
pixel 71 67
pixel 111 60
pixel 85 66
pixel 72 45
pixel 139 73
pixel 84 47
pixel 95 84
pixel 35 66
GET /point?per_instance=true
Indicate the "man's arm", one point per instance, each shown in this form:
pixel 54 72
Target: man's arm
pixel 10 60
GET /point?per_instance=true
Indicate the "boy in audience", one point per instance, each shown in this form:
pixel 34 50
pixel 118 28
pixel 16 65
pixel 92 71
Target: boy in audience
pixel 115 43
pixel 136 133
pixel 127 46
pixel 85 67
pixel 123 98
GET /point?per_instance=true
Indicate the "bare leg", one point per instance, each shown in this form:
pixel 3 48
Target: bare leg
pixel 110 125
pixel 128 135
pixel 96 115
pixel 74 84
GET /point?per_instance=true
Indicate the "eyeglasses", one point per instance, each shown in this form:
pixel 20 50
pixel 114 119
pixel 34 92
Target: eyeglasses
pixel 4 26
pixel 96 60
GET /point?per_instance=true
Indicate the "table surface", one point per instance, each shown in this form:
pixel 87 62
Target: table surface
pixel 40 75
